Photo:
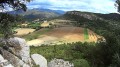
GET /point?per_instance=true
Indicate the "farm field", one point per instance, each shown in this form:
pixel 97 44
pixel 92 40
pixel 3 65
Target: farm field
pixel 64 35
pixel 23 31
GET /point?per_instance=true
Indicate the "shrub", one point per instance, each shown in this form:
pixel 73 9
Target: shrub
pixel 81 63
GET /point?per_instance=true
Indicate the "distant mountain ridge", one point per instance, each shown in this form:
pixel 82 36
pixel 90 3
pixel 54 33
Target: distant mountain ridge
pixel 38 9
pixel 49 10
pixel 38 13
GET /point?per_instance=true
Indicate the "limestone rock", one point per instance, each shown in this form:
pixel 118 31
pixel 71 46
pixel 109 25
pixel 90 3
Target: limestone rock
pixel 16 51
pixel 59 63
pixel 4 63
pixel 39 60
pixel 24 52
pixel 15 61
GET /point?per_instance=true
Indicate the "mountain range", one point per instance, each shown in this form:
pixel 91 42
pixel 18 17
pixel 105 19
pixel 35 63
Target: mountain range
pixel 32 14
pixel 41 13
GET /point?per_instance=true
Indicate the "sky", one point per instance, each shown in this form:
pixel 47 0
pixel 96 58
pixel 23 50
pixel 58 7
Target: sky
pixel 96 6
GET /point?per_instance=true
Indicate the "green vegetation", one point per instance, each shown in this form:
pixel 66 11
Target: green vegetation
pixel 1 35
pixel 12 4
pixel 86 35
pixel 6 24
pixel 34 24
pixel 81 63
pixel 81 54
pixel 35 34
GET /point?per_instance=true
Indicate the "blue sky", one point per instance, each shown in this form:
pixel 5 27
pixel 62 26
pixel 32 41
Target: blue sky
pixel 97 6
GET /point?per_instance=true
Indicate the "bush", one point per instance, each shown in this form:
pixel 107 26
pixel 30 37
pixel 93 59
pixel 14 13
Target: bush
pixel 81 63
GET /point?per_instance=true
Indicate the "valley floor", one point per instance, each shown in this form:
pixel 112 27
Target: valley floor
pixel 64 35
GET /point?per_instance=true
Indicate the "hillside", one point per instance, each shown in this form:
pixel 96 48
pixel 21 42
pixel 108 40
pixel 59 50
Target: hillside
pixel 111 16
pixel 94 21
pixel 91 16
pixel 32 14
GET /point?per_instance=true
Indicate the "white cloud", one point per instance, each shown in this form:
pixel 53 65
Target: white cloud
pixel 98 6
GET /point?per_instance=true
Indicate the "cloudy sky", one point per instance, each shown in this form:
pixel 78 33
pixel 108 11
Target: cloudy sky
pixel 97 6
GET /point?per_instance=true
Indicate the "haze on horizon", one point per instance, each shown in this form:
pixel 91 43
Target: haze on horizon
pixel 96 6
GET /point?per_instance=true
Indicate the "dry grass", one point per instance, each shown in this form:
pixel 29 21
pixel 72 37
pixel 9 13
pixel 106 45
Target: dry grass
pixel 45 24
pixel 23 31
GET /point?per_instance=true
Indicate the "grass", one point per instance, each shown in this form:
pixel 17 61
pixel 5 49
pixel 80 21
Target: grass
pixel 36 34
pixel 34 24
pixel 86 35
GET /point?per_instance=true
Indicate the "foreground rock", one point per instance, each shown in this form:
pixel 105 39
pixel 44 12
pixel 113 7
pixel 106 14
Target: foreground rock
pixel 59 63
pixel 39 60
pixel 16 51
pixel 4 63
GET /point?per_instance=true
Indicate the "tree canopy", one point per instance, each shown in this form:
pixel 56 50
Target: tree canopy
pixel 7 20
pixel 118 5
pixel 15 4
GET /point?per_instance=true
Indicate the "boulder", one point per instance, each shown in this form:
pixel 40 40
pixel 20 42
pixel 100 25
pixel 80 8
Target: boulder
pixel 39 60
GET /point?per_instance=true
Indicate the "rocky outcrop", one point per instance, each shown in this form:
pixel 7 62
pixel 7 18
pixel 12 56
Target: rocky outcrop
pixel 16 51
pixel 14 60
pixel 4 62
pixel 22 50
pixel 59 63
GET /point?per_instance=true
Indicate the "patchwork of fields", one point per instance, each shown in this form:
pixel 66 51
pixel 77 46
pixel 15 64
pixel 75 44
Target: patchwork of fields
pixel 64 35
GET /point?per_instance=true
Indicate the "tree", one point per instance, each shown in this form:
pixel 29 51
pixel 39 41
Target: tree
pixel 15 4
pixel 7 20
pixel 118 5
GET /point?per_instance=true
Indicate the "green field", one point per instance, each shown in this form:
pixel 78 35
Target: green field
pixel 86 35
